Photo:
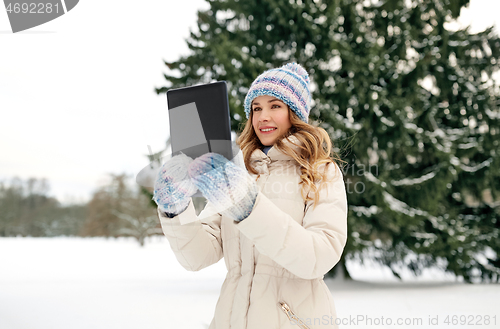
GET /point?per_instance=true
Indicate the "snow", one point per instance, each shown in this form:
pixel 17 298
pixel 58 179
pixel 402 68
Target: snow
pixel 468 145
pixel 400 206
pixel 372 178
pixel 493 114
pixel 367 211
pixel 65 282
pixel 414 181
pixel 475 168
pixel 387 122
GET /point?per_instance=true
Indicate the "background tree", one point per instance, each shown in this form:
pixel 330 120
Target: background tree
pixel 139 217
pixel 409 101
pixel 26 209
pixel 100 219
pixel 67 220
pixel 121 209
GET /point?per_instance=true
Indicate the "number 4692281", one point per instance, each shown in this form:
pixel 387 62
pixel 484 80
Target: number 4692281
pixel 32 8
pixel 470 320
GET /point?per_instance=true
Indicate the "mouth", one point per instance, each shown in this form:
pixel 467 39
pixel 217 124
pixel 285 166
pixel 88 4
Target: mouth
pixel 267 130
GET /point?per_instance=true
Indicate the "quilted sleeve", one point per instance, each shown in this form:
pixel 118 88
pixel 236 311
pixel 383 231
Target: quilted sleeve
pixel 309 250
pixel 197 244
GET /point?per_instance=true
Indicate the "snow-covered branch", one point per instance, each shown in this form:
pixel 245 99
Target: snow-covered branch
pixel 477 167
pixel 413 181
pixel 400 206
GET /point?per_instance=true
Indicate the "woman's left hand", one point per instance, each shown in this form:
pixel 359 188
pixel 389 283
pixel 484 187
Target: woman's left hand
pixel 228 187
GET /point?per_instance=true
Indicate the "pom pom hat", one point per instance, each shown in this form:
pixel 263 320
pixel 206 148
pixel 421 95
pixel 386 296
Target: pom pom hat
pixel 289 83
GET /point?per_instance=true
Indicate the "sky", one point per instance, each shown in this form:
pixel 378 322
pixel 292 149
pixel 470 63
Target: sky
pixel 77 98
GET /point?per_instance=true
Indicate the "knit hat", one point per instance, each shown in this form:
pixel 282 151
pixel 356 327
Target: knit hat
pixel 289 83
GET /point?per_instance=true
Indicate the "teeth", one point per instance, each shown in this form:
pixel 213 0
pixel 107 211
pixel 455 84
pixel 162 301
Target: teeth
pixel 268 129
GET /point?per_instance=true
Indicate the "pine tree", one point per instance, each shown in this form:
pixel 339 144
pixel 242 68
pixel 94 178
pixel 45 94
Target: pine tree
pixel 410 103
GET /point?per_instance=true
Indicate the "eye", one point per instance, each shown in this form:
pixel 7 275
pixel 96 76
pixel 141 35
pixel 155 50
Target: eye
pixel 256 109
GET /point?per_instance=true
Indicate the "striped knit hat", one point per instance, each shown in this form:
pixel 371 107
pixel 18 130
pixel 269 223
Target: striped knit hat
pixel 289 83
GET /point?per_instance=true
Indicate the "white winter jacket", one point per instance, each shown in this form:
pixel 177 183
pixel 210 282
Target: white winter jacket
pixel 276 258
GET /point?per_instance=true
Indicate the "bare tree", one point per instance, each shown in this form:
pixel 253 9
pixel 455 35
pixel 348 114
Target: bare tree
pixel 121 209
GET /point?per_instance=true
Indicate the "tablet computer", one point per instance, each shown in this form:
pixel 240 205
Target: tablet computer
pixel 199 120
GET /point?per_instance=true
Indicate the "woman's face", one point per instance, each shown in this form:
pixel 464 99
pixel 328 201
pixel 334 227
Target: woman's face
pixel 270 119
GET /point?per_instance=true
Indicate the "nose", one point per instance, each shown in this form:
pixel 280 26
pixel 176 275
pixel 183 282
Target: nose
pixel 264 115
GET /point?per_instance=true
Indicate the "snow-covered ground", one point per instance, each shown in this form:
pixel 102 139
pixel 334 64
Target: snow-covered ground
pixel 73 283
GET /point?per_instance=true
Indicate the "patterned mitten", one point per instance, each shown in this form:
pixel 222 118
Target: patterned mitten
pixel 227 186
pixel 173 186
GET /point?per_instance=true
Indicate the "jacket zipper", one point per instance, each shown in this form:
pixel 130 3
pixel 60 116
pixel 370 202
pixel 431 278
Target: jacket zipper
pixel 292 316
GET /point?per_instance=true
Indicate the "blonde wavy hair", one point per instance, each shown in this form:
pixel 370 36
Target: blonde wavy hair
pixel 316 150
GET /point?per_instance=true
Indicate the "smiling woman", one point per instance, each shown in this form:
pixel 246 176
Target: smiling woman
pixel 271 120
pixel 280 225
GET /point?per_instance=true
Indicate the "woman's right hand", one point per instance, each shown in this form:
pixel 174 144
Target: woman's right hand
pixel 173 186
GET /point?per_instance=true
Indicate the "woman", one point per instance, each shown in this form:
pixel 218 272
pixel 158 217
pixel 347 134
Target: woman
pixel 280 225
